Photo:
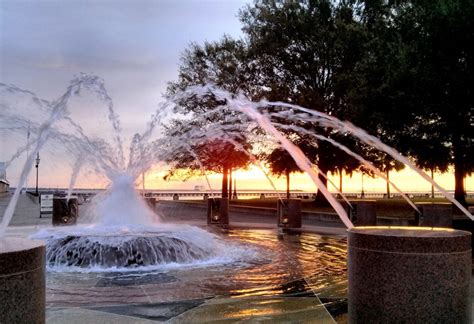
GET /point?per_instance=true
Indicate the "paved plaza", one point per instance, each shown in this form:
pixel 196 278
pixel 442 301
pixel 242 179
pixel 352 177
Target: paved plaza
pixel 301 279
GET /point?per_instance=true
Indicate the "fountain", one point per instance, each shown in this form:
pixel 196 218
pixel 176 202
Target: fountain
pixel 121 233
pixel 119 230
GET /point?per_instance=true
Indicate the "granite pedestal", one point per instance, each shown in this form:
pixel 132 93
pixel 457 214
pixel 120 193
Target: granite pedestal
pixel 65 212
pixel 289 213
pixel 218 211
pixel 434 215
pixel 409 275
pixel 362 212
pixel 22 281
pixel 462 222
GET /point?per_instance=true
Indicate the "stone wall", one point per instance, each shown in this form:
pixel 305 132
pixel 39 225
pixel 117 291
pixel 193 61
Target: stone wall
pixel 186 211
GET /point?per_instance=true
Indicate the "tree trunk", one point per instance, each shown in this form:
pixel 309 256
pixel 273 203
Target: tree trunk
pixel 340 181
pixel 432 187
pixel 287 185
pixel 230 183
pixel 459 190
pixel 388 183
pixel 225 184
pixel 459 171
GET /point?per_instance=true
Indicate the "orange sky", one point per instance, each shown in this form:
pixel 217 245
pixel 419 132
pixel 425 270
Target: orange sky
pixel 55 174
pixel 254 179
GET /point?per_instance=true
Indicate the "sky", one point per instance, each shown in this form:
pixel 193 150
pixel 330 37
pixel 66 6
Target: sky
pixel 135 46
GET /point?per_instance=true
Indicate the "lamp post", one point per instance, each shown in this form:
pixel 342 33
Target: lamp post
pixel 37 164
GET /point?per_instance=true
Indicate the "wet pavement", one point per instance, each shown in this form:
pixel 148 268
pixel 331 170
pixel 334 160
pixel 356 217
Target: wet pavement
pixel 298 277
pixel 289 281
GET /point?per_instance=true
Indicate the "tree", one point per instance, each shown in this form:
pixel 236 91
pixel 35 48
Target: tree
pixel 419 70
pixel 430 148
pixel 439 37
pixel 222 64
pixel 281 163
pixel 344 163
pixel 191 152
pixel 305 53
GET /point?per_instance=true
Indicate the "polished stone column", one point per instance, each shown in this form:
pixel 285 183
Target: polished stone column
pixel 22 281
pixel 434 214
pixel 65 212
pixel 289 213
pixel 218 211
pixel 363 212
pixel 409 275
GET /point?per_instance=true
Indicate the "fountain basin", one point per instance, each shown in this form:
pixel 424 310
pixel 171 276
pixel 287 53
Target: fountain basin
pixel 22 281
pixel 409 274
pixel 90 248
pixel 266 272
pixel 126 251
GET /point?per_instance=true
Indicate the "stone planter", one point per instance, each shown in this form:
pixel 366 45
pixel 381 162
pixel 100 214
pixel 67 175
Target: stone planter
pixel 65 212
pixel 22 281
pixel 409 275
pixel 218 211
pixel 289 213
pixel 434 215
pixel 363 212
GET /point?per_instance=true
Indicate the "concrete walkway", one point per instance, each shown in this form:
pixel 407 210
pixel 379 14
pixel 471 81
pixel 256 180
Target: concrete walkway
pixel 27 211
pixel 189 297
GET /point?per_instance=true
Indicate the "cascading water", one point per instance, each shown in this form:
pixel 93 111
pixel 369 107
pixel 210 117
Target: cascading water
pixel 88 248
pixel 295 114
pixel 119 230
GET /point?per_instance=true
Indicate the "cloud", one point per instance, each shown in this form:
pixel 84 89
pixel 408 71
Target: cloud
pixel 133 45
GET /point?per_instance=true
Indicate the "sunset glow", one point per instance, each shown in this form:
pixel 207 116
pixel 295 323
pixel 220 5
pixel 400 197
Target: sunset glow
pixel 254 179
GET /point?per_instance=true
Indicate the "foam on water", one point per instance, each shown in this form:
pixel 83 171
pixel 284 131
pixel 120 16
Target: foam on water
pixel 121 205
pixel 96 248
